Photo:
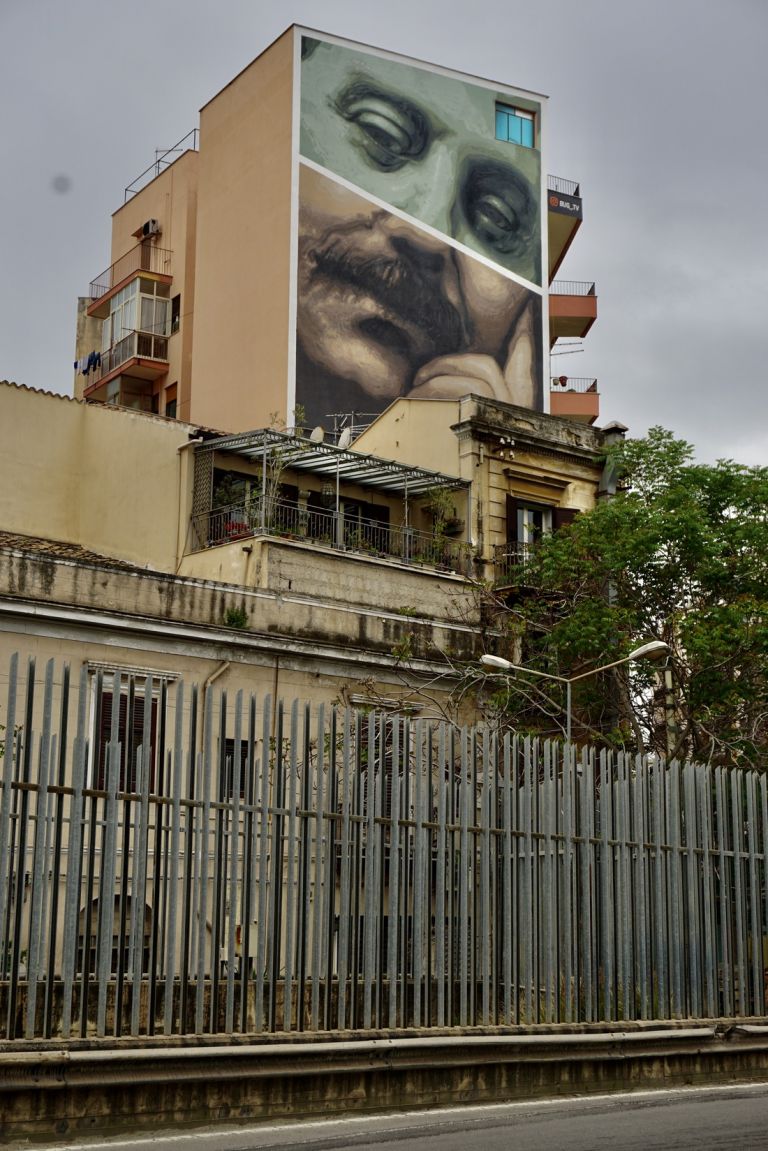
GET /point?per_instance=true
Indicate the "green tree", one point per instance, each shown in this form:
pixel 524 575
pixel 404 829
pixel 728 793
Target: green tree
pixel 680 554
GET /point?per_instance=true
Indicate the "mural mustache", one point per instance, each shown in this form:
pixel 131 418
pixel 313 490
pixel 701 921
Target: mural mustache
pixel 417 322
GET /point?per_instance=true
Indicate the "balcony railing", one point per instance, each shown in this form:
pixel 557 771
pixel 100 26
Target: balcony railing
pixel 142 258
pixel 278 519
pixel 564 187
pixel 143 345
pixel 571 288
pixel 573 384
pixel 508 560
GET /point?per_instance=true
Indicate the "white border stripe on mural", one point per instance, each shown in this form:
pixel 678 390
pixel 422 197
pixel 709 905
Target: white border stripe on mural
pixel 421 226
pixel 411 61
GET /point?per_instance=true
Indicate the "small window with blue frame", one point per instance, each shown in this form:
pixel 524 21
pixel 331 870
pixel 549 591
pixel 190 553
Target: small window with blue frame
pixel 515 125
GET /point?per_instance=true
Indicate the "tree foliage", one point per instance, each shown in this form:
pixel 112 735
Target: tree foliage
pixel 680 554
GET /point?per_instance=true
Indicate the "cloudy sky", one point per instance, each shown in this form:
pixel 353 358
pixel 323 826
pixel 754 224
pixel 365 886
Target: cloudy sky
pixel 658 109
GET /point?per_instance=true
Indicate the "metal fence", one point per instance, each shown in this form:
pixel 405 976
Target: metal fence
pixel 173 863
pixel 278 518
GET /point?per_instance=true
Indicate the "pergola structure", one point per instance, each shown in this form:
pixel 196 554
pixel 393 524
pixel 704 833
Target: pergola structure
pixel 300 454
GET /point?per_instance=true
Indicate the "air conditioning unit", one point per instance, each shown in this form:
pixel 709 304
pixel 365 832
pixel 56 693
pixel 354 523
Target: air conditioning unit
pixel 151 228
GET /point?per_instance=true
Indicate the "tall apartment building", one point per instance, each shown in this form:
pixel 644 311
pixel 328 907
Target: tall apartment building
pixel 355 227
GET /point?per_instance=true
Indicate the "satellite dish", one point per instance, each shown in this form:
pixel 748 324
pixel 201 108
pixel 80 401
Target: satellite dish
pixel 317 435
pixel 345 437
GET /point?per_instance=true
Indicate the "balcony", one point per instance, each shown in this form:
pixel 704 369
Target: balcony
pixel 142 356
pixel 509 561
pixel 564 217
pixel 329 529
pixel 143 258
pixel 574 398
pixel 572 309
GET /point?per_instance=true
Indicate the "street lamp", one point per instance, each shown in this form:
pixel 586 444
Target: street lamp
pixel 655 647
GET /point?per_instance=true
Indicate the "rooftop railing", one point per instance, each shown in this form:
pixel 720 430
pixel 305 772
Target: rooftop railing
pixel 564 187
pixel 572 288
pixel 276 518
pixel 141 258
pixel 164 157
pixel 573 384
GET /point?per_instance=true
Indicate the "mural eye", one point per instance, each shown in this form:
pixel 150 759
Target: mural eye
pixel 498 210
pixel 388 132
pixel 494 220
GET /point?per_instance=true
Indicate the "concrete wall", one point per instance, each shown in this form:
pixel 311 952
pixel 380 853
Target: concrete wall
pixel 416 432
pixel 171 199
pixel 105 479
pixel 355 580
pixel 290 643
pixel 500 449
pixel 240 346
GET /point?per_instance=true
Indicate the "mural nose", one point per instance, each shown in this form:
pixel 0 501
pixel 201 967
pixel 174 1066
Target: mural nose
pixel 411 245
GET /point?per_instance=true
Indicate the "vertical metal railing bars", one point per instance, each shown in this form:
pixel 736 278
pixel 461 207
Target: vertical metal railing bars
pixel 189 865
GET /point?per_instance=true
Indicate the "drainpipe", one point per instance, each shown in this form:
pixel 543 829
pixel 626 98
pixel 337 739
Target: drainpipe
pixel 275 681
pixel 182 529
pixel 208 683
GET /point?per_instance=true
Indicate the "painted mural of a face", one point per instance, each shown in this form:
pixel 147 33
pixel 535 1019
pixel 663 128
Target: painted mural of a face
pixel 388 310
pixel 387 307
pixel 424 143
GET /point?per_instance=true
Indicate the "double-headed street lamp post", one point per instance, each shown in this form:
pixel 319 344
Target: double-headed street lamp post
pixel 655 647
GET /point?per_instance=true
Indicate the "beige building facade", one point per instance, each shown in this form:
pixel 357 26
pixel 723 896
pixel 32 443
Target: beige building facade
pixel 268 561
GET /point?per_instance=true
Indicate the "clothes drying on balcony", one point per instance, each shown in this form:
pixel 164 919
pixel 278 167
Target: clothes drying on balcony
pixel 88 363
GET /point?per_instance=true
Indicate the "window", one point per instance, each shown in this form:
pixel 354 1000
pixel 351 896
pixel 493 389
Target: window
pixel 227 766
pixel 515 125
pixel 143 306
pixel 366 526
pixel 171 394
pixel 527 522
pixel 154 315
pixel 121 320
pixel 532 523
pixel 175 314
pixel 130 734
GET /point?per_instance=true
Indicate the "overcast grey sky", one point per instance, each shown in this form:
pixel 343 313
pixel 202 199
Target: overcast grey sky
pixel 658 109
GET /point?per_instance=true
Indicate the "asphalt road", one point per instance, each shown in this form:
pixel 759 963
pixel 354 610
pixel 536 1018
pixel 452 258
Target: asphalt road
pixel 715 1119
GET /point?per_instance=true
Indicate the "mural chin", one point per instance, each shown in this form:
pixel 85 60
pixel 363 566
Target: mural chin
pixel 386 310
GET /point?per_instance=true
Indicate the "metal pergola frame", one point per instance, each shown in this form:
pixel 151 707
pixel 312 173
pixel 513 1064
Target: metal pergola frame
pixel 300 454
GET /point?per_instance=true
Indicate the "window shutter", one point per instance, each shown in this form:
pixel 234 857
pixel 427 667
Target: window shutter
pixel 563 516
pixel 511 520
pixel 130 736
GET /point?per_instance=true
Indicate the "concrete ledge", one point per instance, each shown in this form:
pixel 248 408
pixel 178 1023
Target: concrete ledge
pixel 50 1090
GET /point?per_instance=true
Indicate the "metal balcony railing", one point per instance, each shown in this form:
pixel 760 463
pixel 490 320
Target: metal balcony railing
pixel 276 518
pixel 145 345
pixel 564 187
pixel 572 288
pixel 144 257
pixel 508 559
pixel 573 384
